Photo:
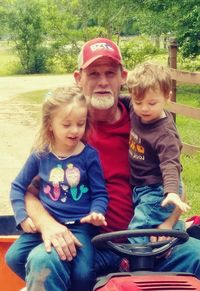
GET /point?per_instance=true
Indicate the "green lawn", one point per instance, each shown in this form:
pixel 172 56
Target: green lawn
pixel 189 130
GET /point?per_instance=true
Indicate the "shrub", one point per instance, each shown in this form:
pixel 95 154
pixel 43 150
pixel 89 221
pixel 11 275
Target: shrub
pixel 137 50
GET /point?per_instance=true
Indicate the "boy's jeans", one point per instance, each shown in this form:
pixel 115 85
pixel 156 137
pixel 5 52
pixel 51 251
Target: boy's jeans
pixel 148 210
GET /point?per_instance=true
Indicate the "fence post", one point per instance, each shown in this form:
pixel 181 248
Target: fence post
pixel 172 63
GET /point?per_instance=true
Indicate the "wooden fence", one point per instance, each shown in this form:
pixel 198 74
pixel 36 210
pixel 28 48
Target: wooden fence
pixel 184 77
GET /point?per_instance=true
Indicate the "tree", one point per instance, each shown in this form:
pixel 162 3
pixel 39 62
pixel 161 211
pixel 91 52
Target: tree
pixel 27 30
pixel 188 29
pixel 179 18
pixel 3 22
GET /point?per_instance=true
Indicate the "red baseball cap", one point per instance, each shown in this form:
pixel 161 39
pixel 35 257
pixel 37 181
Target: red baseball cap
pixel 98 48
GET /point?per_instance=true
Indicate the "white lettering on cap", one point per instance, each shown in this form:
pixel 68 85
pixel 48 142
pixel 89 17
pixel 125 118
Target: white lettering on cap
pixel 102 45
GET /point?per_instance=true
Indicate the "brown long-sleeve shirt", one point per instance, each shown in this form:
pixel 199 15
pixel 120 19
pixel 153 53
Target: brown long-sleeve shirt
pixel 154 153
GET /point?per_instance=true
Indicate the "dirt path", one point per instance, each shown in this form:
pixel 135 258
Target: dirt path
pixel 17 126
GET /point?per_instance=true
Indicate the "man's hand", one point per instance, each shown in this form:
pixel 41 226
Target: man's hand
pixel 53 233
pixel 62 239
pixel 28 226
pixel 94 218
pixel 173 198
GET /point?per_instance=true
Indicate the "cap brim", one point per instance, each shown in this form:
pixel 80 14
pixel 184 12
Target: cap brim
pixel 92 60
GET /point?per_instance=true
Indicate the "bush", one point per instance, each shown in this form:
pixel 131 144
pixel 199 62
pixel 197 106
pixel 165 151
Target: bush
pixel 36 62
pixel 189 64
pixel 137 50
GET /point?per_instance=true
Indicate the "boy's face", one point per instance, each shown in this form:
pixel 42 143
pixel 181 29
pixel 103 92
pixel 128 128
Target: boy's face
pixel 151 107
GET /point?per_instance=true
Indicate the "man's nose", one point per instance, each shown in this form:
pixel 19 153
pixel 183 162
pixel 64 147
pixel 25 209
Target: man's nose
pixel 103 81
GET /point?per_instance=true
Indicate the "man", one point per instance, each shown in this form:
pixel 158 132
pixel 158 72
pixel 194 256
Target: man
pixel 100 75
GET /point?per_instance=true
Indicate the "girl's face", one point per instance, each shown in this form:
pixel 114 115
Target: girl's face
pixel 68 126
pixel 151 107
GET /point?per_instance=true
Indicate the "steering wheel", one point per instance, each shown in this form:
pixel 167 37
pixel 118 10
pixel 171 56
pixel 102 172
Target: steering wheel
pixel 142 256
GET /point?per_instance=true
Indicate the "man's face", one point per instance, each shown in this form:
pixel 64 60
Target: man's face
pixel 101 82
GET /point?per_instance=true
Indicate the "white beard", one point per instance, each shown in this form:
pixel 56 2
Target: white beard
pixel 102 102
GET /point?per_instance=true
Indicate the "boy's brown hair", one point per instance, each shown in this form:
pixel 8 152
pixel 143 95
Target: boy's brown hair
pixel 148 76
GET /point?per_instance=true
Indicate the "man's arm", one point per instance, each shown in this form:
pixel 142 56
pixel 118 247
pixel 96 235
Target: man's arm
pixel 167 224
pixel 174 217
pixel 171 220
pixel 53 233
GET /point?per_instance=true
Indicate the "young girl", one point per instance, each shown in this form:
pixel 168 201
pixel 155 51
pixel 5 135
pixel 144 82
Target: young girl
pixel 72 186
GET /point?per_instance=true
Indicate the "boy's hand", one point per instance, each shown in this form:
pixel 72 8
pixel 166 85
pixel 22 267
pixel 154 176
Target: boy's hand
pixel 28 226
pixel 173 198
pixel 94 218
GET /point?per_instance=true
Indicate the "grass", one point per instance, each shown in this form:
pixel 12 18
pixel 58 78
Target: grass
pixel 35 97
pixel 188 127
pixel 32 101
pixel 191 178
pixel 189 130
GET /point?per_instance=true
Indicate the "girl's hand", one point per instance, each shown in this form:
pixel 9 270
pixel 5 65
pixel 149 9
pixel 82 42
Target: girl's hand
pixel 28 226
pixel 94 218
pixel 173 198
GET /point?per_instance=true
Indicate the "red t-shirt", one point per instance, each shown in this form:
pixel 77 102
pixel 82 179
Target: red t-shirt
pixel 111 140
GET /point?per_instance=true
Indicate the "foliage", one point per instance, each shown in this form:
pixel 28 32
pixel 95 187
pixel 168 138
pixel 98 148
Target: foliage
pixel 189 29
pixel 189 64
pixel 3 22
pixel 172 18
pixel 48 33
pixel 136 50
pixel 27 30
pixel 10 64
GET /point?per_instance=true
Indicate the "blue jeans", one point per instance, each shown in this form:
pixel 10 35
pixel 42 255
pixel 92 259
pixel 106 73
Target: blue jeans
pixel 184 258
pixel 148 211
pixel 29 260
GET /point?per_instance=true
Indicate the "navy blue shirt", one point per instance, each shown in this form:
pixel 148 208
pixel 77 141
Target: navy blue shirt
pixel 70 188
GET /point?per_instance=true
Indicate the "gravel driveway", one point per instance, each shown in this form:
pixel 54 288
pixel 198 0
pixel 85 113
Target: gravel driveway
pixel 17 126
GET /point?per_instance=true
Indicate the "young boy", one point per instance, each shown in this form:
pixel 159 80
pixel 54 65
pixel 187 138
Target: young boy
pixel 154 149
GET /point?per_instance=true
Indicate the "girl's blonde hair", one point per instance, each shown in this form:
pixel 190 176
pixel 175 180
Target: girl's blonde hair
pixel 148 76
pixel 57 99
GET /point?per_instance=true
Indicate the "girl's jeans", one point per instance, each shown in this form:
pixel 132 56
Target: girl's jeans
pixel 29 260
pixel 148 211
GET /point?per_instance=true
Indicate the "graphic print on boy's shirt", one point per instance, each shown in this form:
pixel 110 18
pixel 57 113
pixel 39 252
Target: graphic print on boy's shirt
pixel 136 150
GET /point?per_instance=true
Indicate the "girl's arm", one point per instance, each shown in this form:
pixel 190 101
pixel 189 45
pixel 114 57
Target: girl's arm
pixel 19 186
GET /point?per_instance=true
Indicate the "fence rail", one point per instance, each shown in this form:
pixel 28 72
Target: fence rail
pixel 184 77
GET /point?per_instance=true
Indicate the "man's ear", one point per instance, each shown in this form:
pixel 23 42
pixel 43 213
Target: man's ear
pixel 77 77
